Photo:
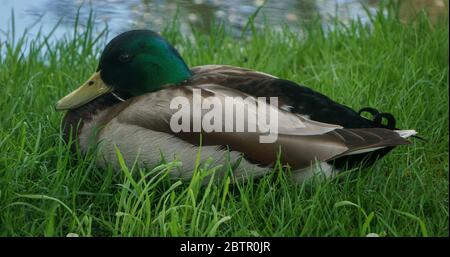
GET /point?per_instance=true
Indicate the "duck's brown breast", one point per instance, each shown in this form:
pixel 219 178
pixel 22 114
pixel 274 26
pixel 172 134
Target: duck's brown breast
pixel 84 119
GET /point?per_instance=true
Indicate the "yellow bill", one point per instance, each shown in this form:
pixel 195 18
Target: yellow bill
pixel 91 89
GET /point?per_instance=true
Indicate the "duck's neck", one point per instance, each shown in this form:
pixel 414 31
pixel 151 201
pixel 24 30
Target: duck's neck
pixel 91 113
pixel 172 73
pixel 168 67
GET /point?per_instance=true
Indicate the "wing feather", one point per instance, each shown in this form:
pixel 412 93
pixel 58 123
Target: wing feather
pixel 300 140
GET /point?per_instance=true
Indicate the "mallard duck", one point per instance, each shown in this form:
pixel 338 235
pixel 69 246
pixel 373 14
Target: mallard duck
pixel 126 105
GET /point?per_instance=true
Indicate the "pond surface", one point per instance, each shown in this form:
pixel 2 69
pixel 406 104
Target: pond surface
pixel 121 15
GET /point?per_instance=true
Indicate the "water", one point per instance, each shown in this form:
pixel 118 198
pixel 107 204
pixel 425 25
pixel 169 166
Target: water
pixel 123 15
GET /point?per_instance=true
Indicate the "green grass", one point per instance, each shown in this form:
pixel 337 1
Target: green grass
pixel 398 68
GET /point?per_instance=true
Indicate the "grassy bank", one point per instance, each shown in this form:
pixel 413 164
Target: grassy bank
pixel 397 68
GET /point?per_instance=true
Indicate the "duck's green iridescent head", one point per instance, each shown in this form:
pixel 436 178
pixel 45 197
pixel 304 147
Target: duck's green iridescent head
pixel 133 63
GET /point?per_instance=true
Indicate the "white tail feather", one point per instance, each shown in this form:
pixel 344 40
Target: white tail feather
pixel 365 150
pixel 406 133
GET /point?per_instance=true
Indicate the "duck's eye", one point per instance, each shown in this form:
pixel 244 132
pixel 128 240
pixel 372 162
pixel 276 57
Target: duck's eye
pixel 124 58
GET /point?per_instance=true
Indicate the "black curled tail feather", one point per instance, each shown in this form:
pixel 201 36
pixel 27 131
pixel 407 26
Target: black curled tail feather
pixel 377 120
pixel 378 117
